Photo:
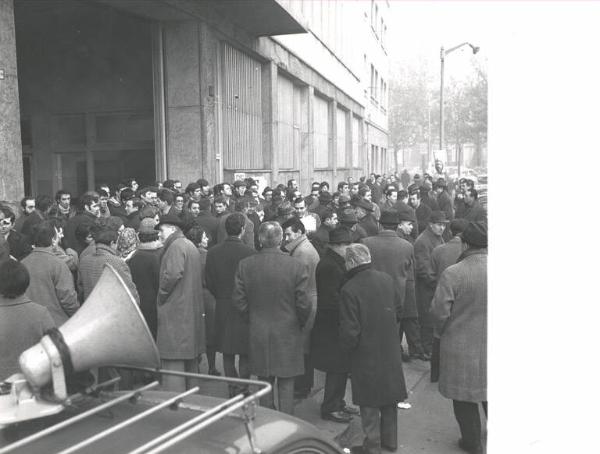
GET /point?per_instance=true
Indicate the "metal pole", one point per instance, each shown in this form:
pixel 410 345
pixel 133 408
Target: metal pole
pixel 442 98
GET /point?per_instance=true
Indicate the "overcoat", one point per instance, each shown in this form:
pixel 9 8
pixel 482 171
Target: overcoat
pixel 326 352
pixel 22 325
pixel 475 212
pixel 72 224
pixel 369 224
pixel 209 304
pixel 270 290
pixel 423 213
pixel 369 332
pixel 445 203
pixel 460 313
pixel 395 256
pixel 51 283
pixel 424 275
pixel 180 333
pixel 303 250
pixel 221 264
pixel 145 272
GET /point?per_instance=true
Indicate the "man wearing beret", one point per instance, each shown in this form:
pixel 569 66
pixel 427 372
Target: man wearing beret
pixel 459 309
pixel 180 307
pixel 425 277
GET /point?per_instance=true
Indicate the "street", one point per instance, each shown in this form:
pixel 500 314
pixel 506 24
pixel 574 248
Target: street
pixel 428 427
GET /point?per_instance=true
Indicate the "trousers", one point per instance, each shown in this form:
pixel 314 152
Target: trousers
pixel 231 371
pixel 410 328
pixel 380 426
pixel 334 392
pixel 304 383
pixel 285 394
pixel 175 383
pixel 469 422
pixel 434 374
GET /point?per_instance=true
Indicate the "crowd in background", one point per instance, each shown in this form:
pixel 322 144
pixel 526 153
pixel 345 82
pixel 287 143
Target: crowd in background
pixel 277 281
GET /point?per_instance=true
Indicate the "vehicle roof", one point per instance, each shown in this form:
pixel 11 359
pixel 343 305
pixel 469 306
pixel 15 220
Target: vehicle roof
pixel 273 430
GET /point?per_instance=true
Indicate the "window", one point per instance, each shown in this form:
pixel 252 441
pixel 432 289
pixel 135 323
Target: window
pixel 373 82
pixel 322 133
pixel 341 143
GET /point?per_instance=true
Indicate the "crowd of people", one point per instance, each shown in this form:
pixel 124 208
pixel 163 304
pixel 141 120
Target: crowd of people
pixel 277 282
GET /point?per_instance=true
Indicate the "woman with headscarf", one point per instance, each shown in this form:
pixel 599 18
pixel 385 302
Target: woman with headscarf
pixel 198 236
pixel 127 243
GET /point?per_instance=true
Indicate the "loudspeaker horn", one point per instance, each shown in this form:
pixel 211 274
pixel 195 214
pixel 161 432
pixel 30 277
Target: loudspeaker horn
pixel 108 329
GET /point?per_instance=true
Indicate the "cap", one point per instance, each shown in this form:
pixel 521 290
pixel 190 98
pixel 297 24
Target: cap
pixel 475 234
pixel 438 217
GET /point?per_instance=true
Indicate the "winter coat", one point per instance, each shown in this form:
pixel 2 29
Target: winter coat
pixel 22 325
pixel 475 212
pixel 51 283
pixel 209 223
pixel 395 256
pixel 326 352
pixel 247 237
pixel 423 213
pixel 304 251
pixel 445 204
pixel 369 224
pixel 180 333
pixel 424 274
pixel 209 304
pixel 320 239
pixel 460 312
pixel 270 290
pixel 145 272
pixel 369 332
pixel 221 264
pixel 72 224
pixel 445 255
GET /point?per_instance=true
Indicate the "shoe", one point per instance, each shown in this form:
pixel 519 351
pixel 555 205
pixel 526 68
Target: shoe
pixel 337 416
pixel 214 372
pixel 351 410
pixel 389 448
pixel 468 447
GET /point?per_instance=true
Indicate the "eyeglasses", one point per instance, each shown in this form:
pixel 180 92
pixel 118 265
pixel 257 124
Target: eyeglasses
pixel 5 222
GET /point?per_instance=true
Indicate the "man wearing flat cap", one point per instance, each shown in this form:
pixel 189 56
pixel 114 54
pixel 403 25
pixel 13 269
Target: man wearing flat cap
pixel 459 309
pixel 180 308
pixel 425 280
pixel 395 256
pixel 364 213
pixel 347 218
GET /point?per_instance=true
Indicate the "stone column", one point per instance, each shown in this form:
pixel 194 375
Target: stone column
pixel 269 114
pixel 333 120
pixel 11 153
pixel 182 93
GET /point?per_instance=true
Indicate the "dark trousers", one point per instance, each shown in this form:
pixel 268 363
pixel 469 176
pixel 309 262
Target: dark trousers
pixel 231 371
pixel 435 360
pixel 304 383
pixel 410 328
pixel 380 426
pixel 426 325
pixel 335 390
pixel 285 394
pixel 469 422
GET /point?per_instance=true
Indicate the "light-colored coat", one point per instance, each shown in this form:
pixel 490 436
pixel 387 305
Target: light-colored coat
pixel 460 312
pixel 270 290
pixel 180 334
pixel 303 250
pixel 51 284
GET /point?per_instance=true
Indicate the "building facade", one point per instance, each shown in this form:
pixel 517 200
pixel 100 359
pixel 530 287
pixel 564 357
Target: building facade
pixel 99 90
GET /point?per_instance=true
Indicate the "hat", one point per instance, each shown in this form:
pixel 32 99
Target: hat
pixel 440 183
pixel 169 219
pixel 340 235
pixel 406 215
pixel 238 183
pixel 147 226
pixel 438 217
pixel 475 234
pixel 412 188
pixel 389 217
pixel 347 216
pixel 325 197
pixel 458 226
pixel 362 203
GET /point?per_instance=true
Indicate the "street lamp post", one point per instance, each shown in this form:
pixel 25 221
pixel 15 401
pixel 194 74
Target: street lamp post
pixel 443 54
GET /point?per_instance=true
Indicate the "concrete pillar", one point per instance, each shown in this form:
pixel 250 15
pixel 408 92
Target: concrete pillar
pixel 11 154
pixel 307 138
pixel 269 114
pixel 182 93
pixel 333 120
pixel 209 83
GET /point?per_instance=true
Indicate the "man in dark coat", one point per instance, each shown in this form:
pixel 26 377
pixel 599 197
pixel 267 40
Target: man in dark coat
pixel 445 203
pixel 145 269
pixel 320 238
pixel 395 256
pixel 474 212
pixel 442 257
pixel 459 309
pixel 422 211
pixel 369 316
pixel 424 275
pixel 18 244
pixel 326 352
pixel 89 210
pixel 232 330
pixel 207 221
pixel 364 214
pixel 270 290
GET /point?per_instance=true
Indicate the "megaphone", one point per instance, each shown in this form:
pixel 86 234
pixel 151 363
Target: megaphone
pixel 108 329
